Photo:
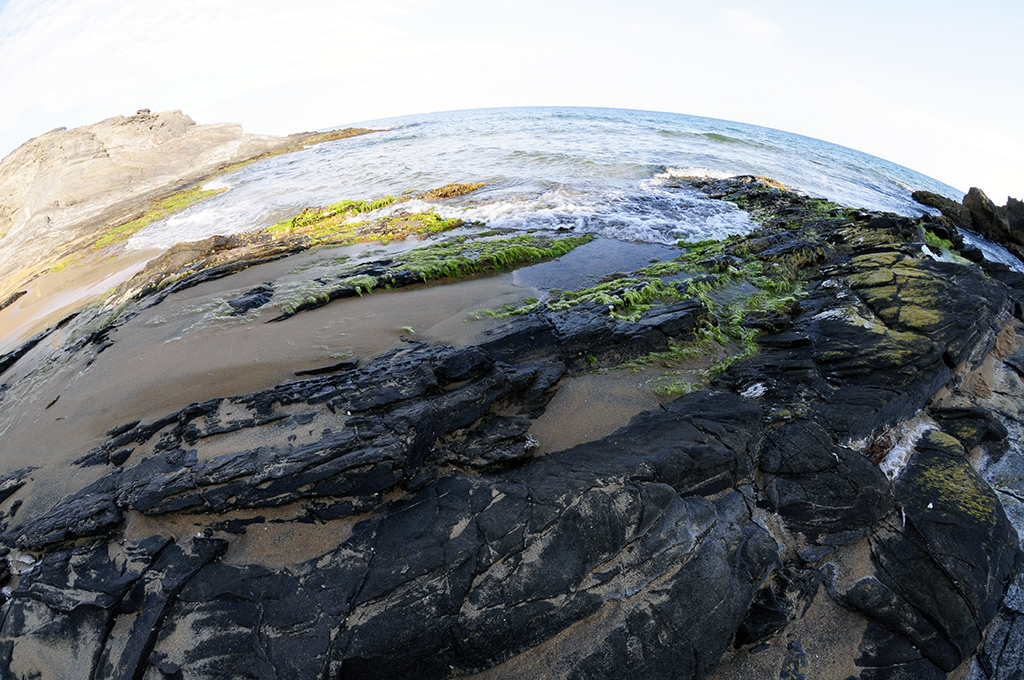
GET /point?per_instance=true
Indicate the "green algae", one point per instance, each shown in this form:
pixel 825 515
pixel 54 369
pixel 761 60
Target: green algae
pixel 336 224
pixel 164 208
pixel 932 240
pixel 952 485
pixel 326 220
pixel 900 294
pixel 452 190
pixel 626 298
pixel 730 288
pixel 462 256
pixel 457 258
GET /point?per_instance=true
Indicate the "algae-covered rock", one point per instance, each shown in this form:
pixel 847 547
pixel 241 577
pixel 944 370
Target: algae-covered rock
pixel 810 506
pixel 948 564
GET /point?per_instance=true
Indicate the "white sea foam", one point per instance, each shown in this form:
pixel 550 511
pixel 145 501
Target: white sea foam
pixel 693 173
pixel 611 173
pixel 754 391
pixel 994 252
pixel 905 438
pixel 191 225
pixel 640 214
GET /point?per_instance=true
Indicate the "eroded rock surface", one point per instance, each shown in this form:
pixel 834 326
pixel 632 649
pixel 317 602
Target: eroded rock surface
pixel 978 213
pixel 65 187
pixel 863 465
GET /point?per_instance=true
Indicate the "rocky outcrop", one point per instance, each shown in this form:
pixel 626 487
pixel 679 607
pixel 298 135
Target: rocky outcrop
pixel 1002 224
pixel 860 465
pixel 957 213
pixel 62 189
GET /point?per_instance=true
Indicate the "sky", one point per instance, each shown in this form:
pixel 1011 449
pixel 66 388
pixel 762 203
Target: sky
pixel 936 86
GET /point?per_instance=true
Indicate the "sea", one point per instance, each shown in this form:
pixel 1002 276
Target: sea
pixel 613 172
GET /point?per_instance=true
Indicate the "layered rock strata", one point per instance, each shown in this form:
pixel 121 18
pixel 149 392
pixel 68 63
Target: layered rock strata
pixel 864 465
pixel 61 190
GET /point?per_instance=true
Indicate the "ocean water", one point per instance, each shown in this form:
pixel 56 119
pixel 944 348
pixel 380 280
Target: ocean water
pixel 606 171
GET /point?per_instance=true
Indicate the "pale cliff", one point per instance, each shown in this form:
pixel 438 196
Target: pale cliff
pixel 64 187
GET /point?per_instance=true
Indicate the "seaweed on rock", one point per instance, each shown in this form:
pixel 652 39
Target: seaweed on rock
pixel 735 518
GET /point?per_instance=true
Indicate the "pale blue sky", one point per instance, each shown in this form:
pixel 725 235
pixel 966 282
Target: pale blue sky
pixel 935 86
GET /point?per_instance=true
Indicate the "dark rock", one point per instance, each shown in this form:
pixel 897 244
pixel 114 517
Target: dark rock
pixel 346 365
pixel 915 670
pixel 767 614
pixel 12 298
pixel 646 553
pixel 254 299
pixel 956 212
pixel 795 665
pixel 880 648
pixel 815 553
pixel 1002 657
pixel 1014 213
pixel 787 596
pixel 10 358
pixel 987 219
pixel 395 409
pixel 972 253
pixel 545 554
pixel 946 230
pixel 940 577
pixel 13 481
pixel 970 425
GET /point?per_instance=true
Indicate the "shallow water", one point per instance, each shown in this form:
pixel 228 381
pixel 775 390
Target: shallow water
pixel 606 171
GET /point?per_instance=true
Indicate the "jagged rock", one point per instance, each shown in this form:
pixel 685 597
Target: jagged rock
pixel 986 217
pixel 956 212
pixel 350 436
pixel 109 604
pixel 714 522
pixel 820 488
pixel 970 425
pixel 8 359
pixel 936 575
pixel 255 298
pixel 1014 212
pixel 12 298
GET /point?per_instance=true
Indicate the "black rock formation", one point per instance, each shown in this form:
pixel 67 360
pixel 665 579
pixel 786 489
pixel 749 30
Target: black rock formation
pixel 837 466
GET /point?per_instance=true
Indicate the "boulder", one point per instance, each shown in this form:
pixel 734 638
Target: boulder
pixel 987 219
pixel 956 212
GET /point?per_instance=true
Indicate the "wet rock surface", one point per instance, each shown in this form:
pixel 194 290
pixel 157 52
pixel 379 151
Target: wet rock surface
pixel 978 213
pixel 865 464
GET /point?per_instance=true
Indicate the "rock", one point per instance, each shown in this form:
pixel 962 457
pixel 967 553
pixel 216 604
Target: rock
pixel 1014 212
pixel 970 425
pixel 254 299
pixel 12 298
pixel 986 218
pixel 1002 657
pixel 441 542
pixel 935 578
pixel 363 432
pixel 8 359
pixel 63 189
pixel 956 212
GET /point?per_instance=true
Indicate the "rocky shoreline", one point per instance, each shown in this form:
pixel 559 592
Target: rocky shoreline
pixel 63 192
pixel 854 455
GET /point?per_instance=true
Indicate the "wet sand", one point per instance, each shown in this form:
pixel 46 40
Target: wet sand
pixel 53 295
pixel 189 349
